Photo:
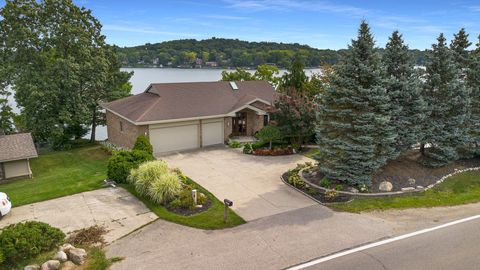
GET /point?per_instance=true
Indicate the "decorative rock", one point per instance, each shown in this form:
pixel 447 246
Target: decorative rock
pixel 65 247
pixel 408 189
pixel 61 256
pixel 51 265
pixel 352 190
pixel 32 267
pixel 419 187
pixel 385 186
pixel 77 255
pixel 411 182
pixel 68 265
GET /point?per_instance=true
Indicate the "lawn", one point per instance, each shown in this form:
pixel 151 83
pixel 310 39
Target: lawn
pixel 210 219
pixel 58 174
pixel 311 153
pixel 459 189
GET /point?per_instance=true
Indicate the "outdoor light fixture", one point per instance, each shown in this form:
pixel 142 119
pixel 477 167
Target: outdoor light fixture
pixel 227 203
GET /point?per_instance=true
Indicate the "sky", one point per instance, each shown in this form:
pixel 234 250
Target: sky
pixel 321 24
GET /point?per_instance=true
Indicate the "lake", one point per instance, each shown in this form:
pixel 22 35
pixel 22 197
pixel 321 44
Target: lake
pixel 142 77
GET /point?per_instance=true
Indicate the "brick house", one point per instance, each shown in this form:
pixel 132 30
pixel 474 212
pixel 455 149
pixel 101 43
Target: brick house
pixel 181 116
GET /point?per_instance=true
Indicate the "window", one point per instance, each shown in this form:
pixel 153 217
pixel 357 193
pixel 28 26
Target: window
pixel 121 126
pixel 265 120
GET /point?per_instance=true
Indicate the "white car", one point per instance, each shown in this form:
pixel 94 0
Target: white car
pixel 5 204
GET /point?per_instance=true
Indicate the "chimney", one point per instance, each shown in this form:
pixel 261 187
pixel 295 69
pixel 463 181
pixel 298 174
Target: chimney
pixel 233 85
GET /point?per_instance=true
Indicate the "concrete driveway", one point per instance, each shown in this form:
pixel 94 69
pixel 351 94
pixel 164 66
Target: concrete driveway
pixel 252 182
pixel 114 208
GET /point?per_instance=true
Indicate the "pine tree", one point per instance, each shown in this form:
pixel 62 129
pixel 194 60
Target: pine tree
pixel 447 99
pixel 474 83
pixel 462 56
pixel 404 88
pixel 353 131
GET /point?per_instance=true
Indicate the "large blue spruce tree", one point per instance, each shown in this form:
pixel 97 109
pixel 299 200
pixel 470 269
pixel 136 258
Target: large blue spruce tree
pixel 474 84
pixel 404 88
pixel 448 102
pixel 353 131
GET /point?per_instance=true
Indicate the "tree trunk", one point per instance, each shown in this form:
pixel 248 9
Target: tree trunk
pixel 94 125
pixel 422 149
pixel 270 145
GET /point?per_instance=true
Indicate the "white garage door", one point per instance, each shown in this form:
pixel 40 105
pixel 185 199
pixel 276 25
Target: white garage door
pixel 212 133
pixel 170 139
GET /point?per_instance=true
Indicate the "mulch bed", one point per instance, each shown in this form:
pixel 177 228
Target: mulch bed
pixel 316 194
pixel 273 152
pixel 408 166
pixel 191 211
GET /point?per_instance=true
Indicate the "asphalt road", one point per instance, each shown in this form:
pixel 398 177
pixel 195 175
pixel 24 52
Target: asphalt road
pixel 454 247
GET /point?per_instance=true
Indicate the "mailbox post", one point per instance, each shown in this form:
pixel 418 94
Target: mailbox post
pixel 227 203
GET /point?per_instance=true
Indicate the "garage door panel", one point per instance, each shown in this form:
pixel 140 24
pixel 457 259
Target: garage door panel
pixel 212 133
pixel 174 138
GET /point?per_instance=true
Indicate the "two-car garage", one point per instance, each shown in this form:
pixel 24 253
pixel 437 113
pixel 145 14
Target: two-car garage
pixel 178 136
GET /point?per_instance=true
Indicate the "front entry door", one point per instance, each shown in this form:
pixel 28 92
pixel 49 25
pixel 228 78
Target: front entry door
pixel 239 124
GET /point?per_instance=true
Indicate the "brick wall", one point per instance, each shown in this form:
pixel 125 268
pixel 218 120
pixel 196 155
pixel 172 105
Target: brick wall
pixel 124 134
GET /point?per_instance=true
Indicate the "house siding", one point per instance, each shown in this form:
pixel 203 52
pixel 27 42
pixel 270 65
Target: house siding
pixel 17 169
pixel 124 134
pixel 227 128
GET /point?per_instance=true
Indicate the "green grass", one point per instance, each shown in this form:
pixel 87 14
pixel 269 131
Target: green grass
pixel 459 189
pixel 210 219
pixel 58 174
pixel 311 153
pixel 97 260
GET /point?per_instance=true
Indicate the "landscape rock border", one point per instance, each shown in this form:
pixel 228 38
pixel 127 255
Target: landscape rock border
pixel 419 189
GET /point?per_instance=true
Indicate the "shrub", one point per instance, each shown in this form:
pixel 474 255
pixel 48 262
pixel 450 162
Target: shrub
pixel 143 144
pixel 23 241
pixel 295 180
pixel 120 164
pixel 234 144
pixel 339 187
pixel 258 145
pixel 143 176
pixel 331 194
pixel 247 148
pixel 325 183
pixel 270 134
pixel 165 188
pixel 2 257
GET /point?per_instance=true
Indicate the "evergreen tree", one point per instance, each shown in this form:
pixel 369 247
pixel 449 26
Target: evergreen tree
pixel 448 103
pixel 404 88
pixel 474 84
pixel 353 131
pixel 295 78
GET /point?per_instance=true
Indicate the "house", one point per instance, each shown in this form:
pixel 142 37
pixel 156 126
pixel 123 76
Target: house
pixel 181 116
pixel 15 153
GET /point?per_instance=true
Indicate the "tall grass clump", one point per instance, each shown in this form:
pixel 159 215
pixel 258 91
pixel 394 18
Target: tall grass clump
pixel 146 174
pixel 165 189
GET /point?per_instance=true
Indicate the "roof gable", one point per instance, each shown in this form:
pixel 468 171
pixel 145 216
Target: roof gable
pixel 16 147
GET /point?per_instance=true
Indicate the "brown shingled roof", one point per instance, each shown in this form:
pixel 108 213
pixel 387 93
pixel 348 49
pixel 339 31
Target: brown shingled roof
pixel 16 147
pixel 166 101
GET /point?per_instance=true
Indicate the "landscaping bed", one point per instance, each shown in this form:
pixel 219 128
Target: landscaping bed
pixel 406 172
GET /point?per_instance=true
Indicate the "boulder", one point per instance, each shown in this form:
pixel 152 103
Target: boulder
pixel 32 267
pixel 77 255
pixel 385 186
pixel 51 265
pixel 68 265
pixel 352 190
pixel 60 256
pixel 411 181
pixel 65 247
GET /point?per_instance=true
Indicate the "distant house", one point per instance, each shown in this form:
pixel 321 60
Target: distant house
pixel 15 153
pixel 211 64
pixel 180 116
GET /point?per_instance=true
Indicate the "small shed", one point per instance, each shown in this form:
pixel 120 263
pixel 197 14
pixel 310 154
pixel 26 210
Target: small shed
pixel 16 150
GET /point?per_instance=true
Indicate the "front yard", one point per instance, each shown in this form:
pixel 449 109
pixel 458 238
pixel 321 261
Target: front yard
pixel 459 189
pixel 58 174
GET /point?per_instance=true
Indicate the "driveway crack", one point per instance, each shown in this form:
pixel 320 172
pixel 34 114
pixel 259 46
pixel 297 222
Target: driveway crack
pixel 376 259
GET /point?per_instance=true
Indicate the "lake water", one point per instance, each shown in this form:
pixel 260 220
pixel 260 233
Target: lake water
pixel 143 77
